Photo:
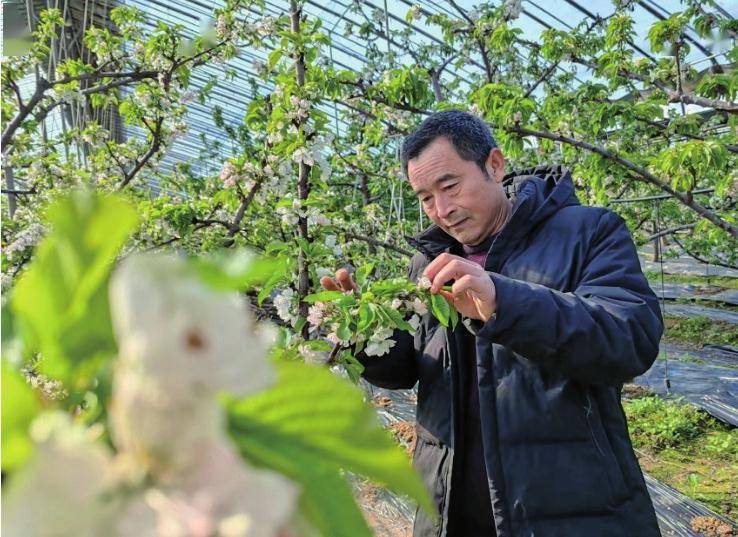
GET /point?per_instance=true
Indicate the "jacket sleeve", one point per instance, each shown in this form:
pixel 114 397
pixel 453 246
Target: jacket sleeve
pixel 398 369
pixel 604 332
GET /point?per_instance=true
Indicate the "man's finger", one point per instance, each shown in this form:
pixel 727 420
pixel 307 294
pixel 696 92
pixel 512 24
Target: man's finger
pixel 437 264
pixel 329 284
pixel 345 281
pixel 453 270
pixel 464 284
pixel 450 298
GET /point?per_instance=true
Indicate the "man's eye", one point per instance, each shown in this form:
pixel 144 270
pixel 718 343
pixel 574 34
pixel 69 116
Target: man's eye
pixel 449 187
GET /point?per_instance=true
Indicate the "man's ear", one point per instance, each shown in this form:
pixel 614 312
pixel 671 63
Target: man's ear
pixel 495 165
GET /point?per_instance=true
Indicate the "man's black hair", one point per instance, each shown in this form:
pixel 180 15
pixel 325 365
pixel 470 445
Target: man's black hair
pixel 470 136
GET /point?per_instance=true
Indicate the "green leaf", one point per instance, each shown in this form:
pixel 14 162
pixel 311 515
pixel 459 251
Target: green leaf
pixel 312 425
pixel 440 308
pixel 273 58
pixel 343 331
pixel 366 316
pixel 396 318
pixel 61 302
pixel 324 296
pixel 299 324
pixel 353 367
pixel 454 317
pixel 268 286
pixel 391 287
pixel 239 270
pixel 362 273
pixel 19 407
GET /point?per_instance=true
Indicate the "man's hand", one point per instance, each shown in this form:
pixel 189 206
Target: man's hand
pixel 472 294
pixel 343 282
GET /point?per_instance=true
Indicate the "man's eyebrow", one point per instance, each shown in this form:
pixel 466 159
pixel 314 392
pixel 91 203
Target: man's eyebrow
pixel 444 177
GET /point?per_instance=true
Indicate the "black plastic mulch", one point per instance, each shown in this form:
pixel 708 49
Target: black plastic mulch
pixel 712 388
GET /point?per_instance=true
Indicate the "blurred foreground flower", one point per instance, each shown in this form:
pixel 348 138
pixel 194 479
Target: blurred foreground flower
pixel 176 472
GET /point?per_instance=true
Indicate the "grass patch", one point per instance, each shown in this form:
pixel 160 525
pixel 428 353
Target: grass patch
pixel 718 281
pixel 688 449
pixel 698 331
pixel 684 358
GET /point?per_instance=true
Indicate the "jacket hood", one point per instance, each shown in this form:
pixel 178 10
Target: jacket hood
pixel 536 193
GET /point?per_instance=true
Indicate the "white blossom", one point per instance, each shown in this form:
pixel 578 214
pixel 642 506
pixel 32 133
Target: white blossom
pixel 381 334
pixel 284 303
pixel 228 174
pixel 266 26
pixel 6 281
pixel 61 490
pixel 27 238
pixel 145 417
pixel 139 49
pixel 172 327
pixel 418 306
pixel 274 137
pixel 512 9
pixel 67 95
pixel 315 314
pixel 259 67
pixel 318 220
pixel 424 283
pixel 312 356
pixel 179 128
pixel 220 495
pixel 221 27
pixel 379 348
pixel 330 242
pixel 187 97
pixel 302 154
pixel 396 304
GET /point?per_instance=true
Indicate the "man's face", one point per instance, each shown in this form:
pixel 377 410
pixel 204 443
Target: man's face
pixel 455 193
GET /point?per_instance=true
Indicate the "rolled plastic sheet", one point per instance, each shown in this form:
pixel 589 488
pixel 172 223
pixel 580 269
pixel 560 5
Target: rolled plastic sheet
pixel 677 513
pixel 695 310
pixel 674 291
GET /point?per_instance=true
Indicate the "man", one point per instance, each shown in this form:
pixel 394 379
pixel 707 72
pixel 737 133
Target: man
pixel 520 428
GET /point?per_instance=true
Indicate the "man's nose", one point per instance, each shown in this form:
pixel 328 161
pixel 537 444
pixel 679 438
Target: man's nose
pixel 444 207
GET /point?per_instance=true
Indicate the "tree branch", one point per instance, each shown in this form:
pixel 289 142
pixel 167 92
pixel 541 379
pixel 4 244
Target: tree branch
pixel 235 226
pixel 41 87
pixel 482 49
pixel 375 242
pixel 688 98
pixel 670 231
pixel 18 192
pixel 719 263
pixel 639 172
pixel 155 146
